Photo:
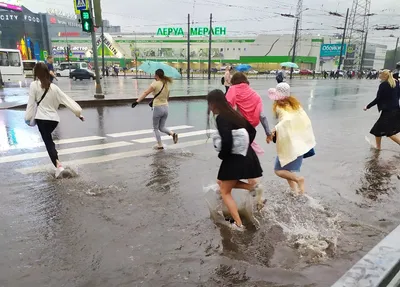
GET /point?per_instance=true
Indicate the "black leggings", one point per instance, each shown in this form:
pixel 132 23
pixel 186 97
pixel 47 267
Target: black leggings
pixel 45 129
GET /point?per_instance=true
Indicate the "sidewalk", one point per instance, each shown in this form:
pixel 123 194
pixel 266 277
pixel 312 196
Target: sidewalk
pixel 118 91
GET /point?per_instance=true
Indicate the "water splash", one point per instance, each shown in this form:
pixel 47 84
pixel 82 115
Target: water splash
pixel 308 225
pixel 218 210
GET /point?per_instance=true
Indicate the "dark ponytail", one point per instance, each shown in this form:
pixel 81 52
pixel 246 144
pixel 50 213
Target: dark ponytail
pixel 160 73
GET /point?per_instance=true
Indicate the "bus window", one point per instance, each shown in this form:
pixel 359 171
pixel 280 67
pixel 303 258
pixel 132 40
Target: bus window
pixel 4 59
pixel 14 59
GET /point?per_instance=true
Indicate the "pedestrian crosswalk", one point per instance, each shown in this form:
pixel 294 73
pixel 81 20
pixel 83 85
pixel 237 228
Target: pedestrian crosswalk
pixel 101 149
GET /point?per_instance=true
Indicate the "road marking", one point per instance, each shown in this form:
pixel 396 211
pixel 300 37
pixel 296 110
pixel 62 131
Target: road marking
pixel 184 135
pixel 58 142
pixel 77 140
pixel 26 156
pixel 142 132
pixel 107 158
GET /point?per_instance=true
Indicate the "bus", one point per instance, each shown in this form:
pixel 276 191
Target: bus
pixel 11 66
pixel 28 67
pixel 66 67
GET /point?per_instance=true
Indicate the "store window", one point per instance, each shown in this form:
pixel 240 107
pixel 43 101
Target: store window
pixel 239 49
pixel 234 49
pixel 227 49
pixel 222 49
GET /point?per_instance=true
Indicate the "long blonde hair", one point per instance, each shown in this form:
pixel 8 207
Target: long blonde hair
pixel 290 103
pixel 387 76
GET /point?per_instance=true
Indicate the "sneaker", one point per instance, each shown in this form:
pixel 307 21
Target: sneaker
pixel 175 138
pixel 59 170
pixel 236 227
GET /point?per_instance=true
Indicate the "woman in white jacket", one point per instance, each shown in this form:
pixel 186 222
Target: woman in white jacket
pixel 49 97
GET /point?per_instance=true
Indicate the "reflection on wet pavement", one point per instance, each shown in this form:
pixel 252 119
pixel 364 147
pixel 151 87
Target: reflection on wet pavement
pixel 143 221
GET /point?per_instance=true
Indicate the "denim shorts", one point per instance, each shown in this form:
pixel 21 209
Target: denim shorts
pixel 293 166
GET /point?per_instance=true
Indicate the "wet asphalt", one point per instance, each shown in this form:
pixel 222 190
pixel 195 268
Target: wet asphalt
pixel 140 219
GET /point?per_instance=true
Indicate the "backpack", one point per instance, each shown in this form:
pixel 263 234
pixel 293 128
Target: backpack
pixel 279 77
pixel 223 80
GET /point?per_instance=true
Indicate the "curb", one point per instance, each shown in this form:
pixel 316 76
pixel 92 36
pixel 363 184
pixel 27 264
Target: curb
pixel 114 102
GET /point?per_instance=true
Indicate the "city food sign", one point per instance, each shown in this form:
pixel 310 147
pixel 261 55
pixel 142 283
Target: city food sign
pixel 194 31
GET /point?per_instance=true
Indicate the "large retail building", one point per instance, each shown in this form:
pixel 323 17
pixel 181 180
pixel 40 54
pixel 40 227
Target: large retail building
pixel 263 52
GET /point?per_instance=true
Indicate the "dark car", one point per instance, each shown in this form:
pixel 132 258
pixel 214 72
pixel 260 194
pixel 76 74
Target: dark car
pixel 82 74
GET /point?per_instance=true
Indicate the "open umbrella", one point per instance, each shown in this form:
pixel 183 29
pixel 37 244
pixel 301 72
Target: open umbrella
pixel 150 67
pixel 243 68
pixel 289 65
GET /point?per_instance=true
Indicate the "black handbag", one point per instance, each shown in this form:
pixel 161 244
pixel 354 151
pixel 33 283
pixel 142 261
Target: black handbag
pixel 151 102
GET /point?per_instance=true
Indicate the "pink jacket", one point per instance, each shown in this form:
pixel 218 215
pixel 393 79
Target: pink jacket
pixel 247 101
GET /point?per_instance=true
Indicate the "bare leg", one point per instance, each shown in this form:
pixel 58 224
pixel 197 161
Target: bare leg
pixel 292 177
pixel 293 185
pixel 378 142
pixel 226 192
pixel 396 139
pixel 247 186
pixel 252 181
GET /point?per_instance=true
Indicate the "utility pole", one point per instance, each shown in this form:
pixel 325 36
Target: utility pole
pixel 188 49
pixel 99 91
pixel 363 52
pixel 343 38
pixel 68 49
pixel 209 48
pixel 395 53
pixel 294 46
pixel 102 48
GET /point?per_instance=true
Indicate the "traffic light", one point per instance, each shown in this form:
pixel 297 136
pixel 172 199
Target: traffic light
pixel 87 21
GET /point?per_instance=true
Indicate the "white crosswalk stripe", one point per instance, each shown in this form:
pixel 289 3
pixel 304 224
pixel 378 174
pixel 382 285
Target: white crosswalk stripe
pixel 142 132
pixel 107 158
pixel 183 135
pixel 113 150
pixel 20 157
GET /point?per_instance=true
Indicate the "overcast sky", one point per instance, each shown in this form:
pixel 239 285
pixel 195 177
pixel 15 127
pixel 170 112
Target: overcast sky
pixel 248 17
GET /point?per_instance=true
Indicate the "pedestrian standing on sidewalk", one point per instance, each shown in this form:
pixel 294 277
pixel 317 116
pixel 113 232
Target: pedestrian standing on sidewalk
pixel 293 135
pixel 387 99
pixel 48 97
pixel 235 166
pixel 160 89
pixel 227 78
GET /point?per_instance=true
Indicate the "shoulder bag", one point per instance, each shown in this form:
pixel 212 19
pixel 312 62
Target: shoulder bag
pixel 32 121
pixel 151 102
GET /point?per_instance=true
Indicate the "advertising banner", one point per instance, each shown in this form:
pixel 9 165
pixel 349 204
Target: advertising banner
pixel 332 50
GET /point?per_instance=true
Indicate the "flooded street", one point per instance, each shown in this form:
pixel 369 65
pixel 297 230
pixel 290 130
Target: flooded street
pixel 137 217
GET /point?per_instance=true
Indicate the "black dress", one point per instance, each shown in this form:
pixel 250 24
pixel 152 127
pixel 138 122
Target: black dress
pixel 387 100
pixel 234 166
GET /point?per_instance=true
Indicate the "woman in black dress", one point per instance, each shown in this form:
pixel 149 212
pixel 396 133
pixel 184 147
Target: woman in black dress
pixel 387 100
pixel 234 166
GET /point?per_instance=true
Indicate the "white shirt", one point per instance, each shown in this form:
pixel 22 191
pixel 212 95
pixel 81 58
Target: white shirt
pixel 47 110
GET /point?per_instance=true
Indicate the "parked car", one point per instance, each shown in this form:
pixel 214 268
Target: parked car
pixel 253 72
pixel 80 74
pixel 305 72
pixel 295 71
